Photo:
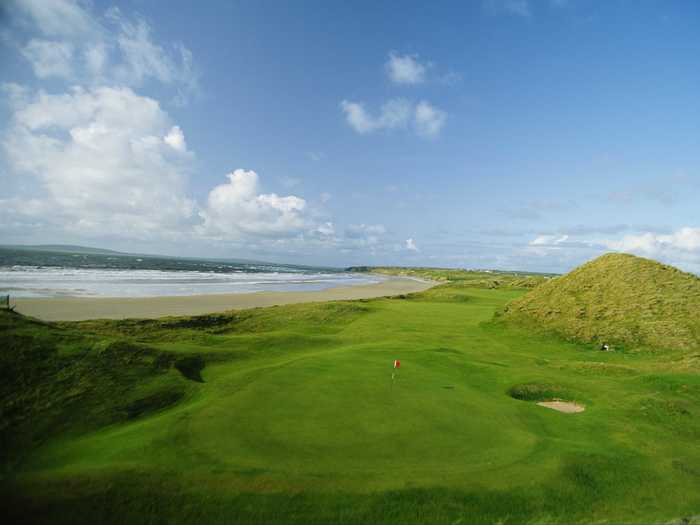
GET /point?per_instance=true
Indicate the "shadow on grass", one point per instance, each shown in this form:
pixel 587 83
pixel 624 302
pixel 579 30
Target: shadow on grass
pixel 587 488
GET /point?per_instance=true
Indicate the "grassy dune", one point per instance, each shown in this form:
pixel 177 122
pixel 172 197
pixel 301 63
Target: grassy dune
pixel 289 415
pixel 621 299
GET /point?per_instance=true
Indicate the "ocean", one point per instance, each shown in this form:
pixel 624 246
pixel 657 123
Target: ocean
pixel 34 273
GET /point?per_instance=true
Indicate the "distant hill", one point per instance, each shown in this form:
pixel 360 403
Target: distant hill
pixel 61 248
pixel 63 255
pixel 619 299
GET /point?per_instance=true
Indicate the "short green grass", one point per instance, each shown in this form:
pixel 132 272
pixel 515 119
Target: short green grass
pixel 296 419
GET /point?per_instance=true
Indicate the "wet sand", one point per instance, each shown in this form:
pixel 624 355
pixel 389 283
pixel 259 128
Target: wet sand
pixel 81 308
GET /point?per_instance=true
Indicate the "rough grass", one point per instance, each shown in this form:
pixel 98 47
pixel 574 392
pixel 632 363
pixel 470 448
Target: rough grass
pixel 463 278
pixel 627 301
pixel 539 392
pixel 297 420
pixel 90 384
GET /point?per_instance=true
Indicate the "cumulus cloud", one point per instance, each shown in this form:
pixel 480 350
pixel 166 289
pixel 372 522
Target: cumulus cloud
pixel 429 120
pixel 426 119
pixel 96 159
pixel 395 113
pixel 683 241
pixel 237 209
pixel 405 69
pixel 680 247
pixel 101 170
pixel 411 245
pixel 176 139
pixel 100 160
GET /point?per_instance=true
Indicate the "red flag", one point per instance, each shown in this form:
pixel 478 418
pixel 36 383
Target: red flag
pixel 397 363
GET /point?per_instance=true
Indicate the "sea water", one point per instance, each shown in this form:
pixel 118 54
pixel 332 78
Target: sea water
pixel 25 273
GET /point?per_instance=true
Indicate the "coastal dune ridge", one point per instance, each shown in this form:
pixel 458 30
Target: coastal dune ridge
pixel 83 308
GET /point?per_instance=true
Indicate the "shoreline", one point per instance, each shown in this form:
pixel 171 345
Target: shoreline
pixel 84 308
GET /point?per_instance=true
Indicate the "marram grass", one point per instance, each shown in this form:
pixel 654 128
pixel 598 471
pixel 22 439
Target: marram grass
pixel 623 300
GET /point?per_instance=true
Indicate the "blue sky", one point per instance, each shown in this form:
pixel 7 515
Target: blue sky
pixel 507 134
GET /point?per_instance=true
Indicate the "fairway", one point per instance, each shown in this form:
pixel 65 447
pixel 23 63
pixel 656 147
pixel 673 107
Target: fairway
pixel 298 420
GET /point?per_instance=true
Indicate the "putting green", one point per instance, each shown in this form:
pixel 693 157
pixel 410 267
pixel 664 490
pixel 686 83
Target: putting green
pixel 341 413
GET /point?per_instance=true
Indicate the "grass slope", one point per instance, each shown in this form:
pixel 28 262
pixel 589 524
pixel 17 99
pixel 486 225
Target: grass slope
pixel 617 298
pixel 292 417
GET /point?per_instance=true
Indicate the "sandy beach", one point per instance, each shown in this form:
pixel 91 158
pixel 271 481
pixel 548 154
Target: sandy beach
pixel 81 308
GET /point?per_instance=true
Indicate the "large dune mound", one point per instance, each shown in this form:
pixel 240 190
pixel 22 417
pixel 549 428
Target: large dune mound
pixel 619 299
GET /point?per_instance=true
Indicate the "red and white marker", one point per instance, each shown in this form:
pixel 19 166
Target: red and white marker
pixel 397 365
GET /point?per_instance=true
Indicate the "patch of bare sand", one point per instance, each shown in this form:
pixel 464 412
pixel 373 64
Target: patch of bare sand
pixel 563 406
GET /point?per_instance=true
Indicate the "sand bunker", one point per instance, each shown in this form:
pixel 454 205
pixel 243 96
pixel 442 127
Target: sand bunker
pixel 563 406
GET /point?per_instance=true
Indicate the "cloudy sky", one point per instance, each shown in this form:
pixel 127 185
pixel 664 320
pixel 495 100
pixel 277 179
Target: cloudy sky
pixel 511 134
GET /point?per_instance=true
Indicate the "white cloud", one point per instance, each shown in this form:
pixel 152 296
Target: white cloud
pixel 100 160
pixel 49 58
pixel 429 120
pixel 237 209
pixel 411 245
pixel 357 117
pixel 101 170
pixel 114 49
pixel 325 197
pixel 680 248
pixel 326 229
pixel 549 240
pixel 397 113
pixel 57 18
pixel 176 139
pixel 142 57
pixel 405 69
pixel 95 58
pixel 685 240
pixel 548 245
